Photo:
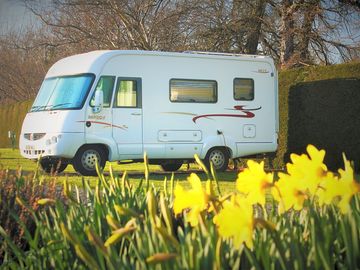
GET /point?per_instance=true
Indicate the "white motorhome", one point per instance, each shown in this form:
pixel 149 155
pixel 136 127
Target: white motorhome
pixel 115 105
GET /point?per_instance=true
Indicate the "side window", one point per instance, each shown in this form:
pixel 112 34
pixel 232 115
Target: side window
pixel 128 93
pixel 199 91
pixel 243 89
pixel 105 84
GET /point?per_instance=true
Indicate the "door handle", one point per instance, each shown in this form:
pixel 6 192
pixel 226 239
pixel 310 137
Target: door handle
pixel 136 114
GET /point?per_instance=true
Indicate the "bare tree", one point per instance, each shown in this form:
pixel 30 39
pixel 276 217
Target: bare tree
pixel 294 32
pixel 21 70
pixel 115 24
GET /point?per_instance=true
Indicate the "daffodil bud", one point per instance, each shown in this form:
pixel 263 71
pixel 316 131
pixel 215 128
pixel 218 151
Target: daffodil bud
pixel 45 201
pixel 117 235
pixel 113 223
pixel 160 257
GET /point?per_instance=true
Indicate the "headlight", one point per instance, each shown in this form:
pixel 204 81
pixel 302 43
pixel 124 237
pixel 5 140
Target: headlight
pixel 54 139
pixel 34 136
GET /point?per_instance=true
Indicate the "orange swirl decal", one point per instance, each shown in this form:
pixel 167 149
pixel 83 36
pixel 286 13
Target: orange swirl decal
pixel 246 113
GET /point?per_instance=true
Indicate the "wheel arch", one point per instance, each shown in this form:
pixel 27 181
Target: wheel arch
pixel 105 147
pixel 226 142
pixel 226 148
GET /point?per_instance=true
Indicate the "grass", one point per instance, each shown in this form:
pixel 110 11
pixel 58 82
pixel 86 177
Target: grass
pixel 12 160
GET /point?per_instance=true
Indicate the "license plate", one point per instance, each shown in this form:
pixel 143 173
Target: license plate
pixel 29 147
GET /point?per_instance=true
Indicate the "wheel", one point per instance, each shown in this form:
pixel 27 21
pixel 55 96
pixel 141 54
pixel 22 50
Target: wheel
pixel 52 166
pixel 171 166
pixel 85 159
pixel 219 158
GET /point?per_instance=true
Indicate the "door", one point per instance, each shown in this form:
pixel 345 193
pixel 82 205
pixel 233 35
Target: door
pixel 98 124
pixel 127 118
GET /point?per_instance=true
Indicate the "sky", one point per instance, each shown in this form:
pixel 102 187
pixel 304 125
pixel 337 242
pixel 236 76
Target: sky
pixel 14 16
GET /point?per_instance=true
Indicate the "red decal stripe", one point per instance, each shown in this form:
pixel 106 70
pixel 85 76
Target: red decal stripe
pixel 102 123
pixel 247 113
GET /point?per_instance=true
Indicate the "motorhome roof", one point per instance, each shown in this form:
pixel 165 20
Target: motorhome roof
pixel 96 59
pixel 176 54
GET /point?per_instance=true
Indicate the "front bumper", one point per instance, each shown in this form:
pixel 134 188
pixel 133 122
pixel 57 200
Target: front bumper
pixel 63 145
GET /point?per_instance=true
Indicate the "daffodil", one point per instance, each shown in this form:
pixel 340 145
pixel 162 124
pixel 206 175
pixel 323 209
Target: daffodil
pixel 195 200
pixel 236 221
pixel 309 170
pixel 254 182
pixel 328 190
pixel 288 193
pixel 343 188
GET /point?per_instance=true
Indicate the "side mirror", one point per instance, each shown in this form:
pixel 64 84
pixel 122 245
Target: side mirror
pixel 98 101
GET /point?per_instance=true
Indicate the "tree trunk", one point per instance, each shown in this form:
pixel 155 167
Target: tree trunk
pixel 311 9
pixel 255 24
pixel 286 31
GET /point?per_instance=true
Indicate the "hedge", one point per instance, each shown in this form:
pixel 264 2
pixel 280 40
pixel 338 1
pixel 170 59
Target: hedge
pixel 287 82
pixel 326 114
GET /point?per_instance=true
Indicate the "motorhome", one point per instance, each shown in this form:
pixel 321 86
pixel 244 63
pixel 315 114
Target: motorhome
pixel 115 105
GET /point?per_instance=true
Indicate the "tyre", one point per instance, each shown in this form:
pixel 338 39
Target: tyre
pixel 171 166
pixel 52 166
pixel 219 158
pixel 85 159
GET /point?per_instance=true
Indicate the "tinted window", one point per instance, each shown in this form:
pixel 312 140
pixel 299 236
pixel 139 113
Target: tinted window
pixel 60 93
pixel 127 93
pixel 106 85
pixel 193 91
pixel 243 89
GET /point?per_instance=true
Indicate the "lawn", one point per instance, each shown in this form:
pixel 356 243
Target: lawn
pixel 12 160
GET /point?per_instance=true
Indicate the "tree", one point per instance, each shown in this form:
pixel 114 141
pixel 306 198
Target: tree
pixel 21 70
pixel 115 24
pixel 294 32
pixel 312 31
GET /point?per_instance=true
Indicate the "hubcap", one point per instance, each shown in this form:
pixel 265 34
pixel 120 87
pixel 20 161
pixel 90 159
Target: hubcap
pixel 89 159
pixel 217 158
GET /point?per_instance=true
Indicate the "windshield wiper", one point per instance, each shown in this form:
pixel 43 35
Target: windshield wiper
pixel 38 108
pixel 48 107
pixel 52 107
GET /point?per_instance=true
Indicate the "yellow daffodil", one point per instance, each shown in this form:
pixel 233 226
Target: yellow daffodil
pixel 196 199
pixel 328 189
pixel 236 221
pixel 309 170
pixel 343 188
pixel 288 193
pixel 254 182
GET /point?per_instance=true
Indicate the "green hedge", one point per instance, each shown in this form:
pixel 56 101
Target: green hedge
pixel 326 114
pixel 287 82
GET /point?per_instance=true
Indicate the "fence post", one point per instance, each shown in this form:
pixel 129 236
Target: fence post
pixel 12 137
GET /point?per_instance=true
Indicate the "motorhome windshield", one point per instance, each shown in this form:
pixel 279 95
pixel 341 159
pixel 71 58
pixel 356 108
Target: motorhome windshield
pixel 59 93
